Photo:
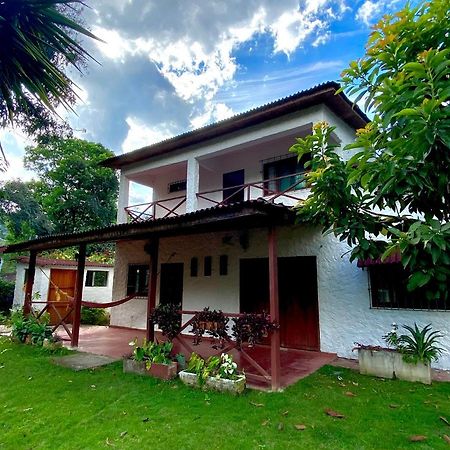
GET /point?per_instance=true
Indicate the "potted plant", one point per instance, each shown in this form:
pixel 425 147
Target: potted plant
pixel 213 323
pixel 252 328
pixel 152 359
pixel 168 318
pixel 218 373
pixel 407 357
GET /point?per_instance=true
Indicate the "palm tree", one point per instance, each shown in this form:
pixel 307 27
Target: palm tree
pixel 38 41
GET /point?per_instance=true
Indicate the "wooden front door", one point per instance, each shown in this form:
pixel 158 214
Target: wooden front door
pixel 64 280
pixel 171 284
pixel 297 286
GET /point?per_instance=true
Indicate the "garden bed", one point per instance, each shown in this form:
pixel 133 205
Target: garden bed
pixel 217 384
pixel 162 371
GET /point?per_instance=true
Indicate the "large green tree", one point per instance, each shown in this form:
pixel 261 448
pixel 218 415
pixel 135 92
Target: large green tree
pixel 74 190
pixel 392 193
pixel 20 212
pixel 38 42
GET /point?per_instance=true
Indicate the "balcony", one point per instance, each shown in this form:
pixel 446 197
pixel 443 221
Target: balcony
pixel 287 190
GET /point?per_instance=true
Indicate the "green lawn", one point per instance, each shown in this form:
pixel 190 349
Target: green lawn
pixel 45 406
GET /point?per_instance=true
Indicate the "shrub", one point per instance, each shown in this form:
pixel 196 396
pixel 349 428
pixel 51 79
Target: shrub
pixel 37 329
pixel 6 295
pixel 94 316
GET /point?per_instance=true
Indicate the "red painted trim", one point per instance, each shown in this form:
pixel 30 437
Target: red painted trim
pixel 275 358
pixel 30 283
pixel 78 295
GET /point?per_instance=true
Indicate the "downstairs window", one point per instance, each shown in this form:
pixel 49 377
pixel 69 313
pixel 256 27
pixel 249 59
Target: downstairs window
pixel 388 289
pixel 138 275
pixel 96 278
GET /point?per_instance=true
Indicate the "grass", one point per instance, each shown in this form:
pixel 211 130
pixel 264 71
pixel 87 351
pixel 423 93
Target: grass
pixel 46 406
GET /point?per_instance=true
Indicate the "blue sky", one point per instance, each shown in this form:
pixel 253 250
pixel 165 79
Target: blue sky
pixel 171 66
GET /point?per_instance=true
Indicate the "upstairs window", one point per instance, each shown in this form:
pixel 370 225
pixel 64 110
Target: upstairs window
pixel 177 186
pixel 138 276
pixel 284 172
pixel 96 278
pixel 388 289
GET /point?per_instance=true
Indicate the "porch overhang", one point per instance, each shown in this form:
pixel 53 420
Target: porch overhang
pixel 250 214
pixel 394 258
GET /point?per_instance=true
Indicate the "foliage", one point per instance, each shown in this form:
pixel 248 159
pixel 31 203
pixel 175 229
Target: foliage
pixel 39 40
pixel 74 190
pixel 21 213
pixel 6 294
pixel 94 316
pixel 180 417
pixel 393 192
pixel 36 329
pixel 419 345
pixel 213 323
pixel 168 318
pixel 4 319
pixel 152 352
pixel 252 328
pixel 221 366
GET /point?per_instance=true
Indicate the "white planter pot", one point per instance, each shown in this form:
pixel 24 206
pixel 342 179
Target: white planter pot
pixel 216 384
pixel 390 364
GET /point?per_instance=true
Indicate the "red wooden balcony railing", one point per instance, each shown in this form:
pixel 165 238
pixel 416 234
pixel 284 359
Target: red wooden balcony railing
pixel 270 189
pixel 273 189
pixel 155 210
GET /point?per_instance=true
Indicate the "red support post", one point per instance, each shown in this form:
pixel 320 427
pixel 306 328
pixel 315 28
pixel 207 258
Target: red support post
pixel 151 300
pixel 27 305
pixel 275 364
pixel 78 294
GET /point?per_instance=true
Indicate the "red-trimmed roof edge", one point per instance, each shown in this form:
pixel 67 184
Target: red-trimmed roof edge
pixel 324 93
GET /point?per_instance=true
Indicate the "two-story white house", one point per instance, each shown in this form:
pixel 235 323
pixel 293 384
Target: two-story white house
pixel 220 231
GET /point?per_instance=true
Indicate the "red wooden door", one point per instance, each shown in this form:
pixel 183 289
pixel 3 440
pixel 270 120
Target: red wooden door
pixel 64 280
pixel 297 284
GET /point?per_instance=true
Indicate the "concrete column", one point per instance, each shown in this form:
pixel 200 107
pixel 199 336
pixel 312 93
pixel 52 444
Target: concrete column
pixel 192 184
pixel 124 194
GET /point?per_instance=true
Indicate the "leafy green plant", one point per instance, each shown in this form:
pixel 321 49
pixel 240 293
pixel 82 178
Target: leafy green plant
pixel 94 316
pixel 420 345
pixel 168 318
pixel 29 327
pixel 221 366
pixel 152 352
pixel 6 295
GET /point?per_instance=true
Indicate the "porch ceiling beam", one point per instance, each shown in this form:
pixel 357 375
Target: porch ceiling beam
pixel 255 214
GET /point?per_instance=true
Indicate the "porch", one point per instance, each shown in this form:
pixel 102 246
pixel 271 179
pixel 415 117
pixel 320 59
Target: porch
pixel 113 342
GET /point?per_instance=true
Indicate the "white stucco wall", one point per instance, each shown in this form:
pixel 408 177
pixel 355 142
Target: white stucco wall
pixel 41 284
pixel 344 304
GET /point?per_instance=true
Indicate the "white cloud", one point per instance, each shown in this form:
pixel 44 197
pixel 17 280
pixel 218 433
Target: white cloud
pixel 140 134
pixel 14 143
pixel 370 10
pixel 214 112
pixel 197 62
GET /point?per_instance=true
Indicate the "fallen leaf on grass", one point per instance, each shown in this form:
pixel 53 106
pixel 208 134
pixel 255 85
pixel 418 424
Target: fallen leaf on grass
pixel 93 386
pixel 27 409
pixel 445 420
pixel 285 413
pixel 280 426
pixel 337 415
pixel 145 419
pixel 300 427
pixel 417 438
pixel 108 442
pixel 265 423
pixel 257 405
pixel 350 394
pixel 354 383
pixel 394 406
pixel 446 438
pixel 123 434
